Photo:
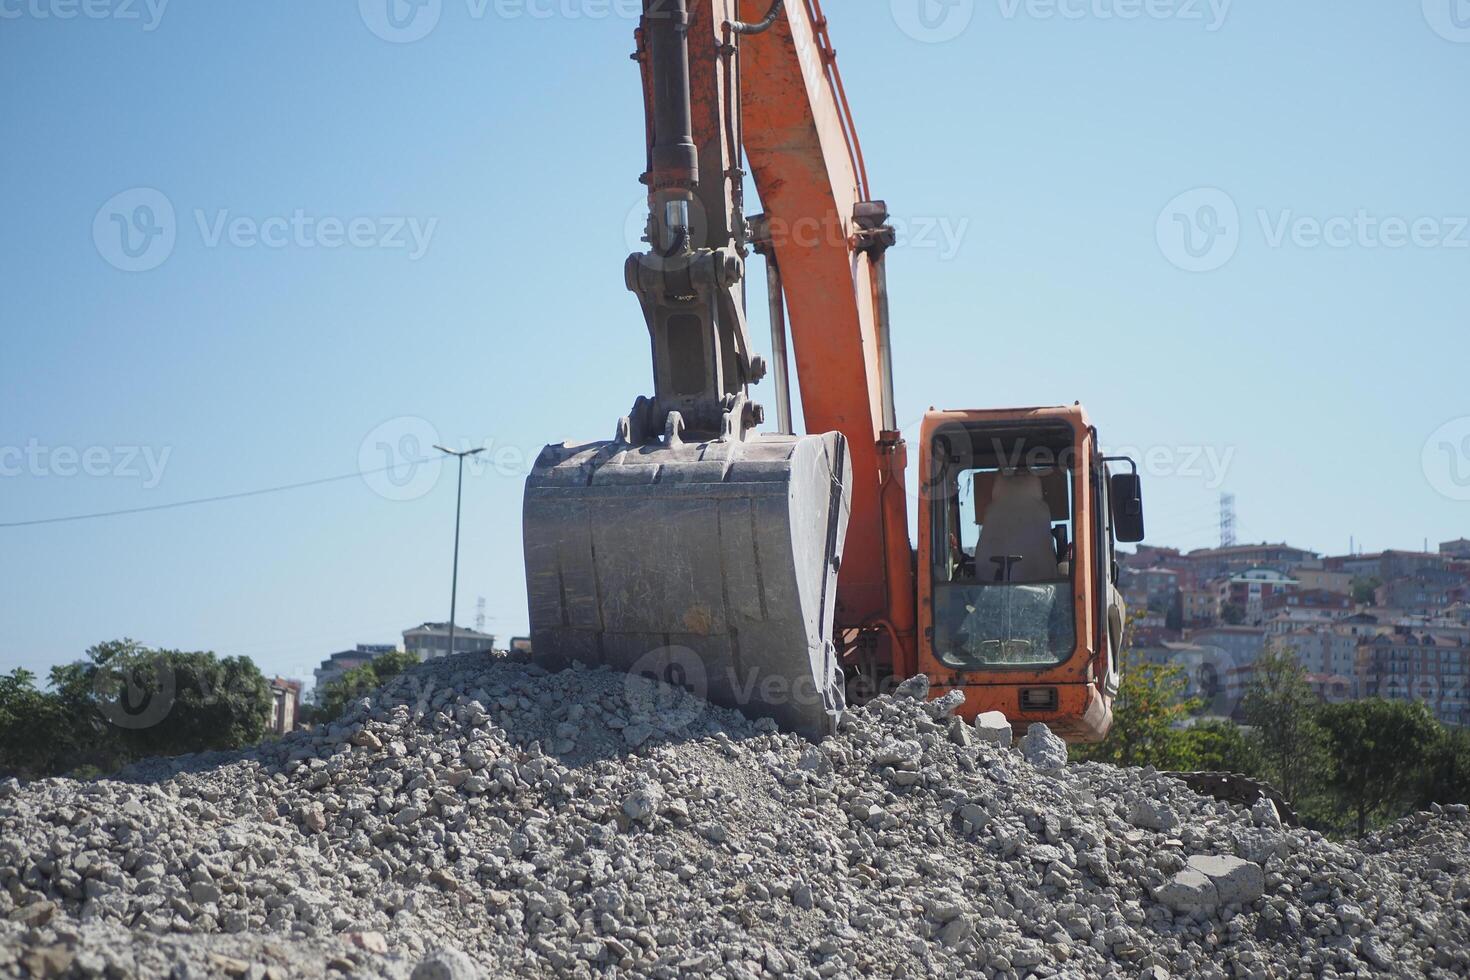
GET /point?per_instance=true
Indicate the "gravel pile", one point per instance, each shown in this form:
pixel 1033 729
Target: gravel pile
pixel 481 818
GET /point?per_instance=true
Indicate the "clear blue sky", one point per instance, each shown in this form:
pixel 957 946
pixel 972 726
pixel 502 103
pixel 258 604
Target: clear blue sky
pixel 1046 140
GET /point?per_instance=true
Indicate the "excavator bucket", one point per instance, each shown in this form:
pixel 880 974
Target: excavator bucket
pixel 708 565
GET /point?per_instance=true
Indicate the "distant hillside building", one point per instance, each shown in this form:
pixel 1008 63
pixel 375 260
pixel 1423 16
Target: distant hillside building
pixel 1407 667
pixel 430 641
pixel 1385 565
pixel 1459 548
pixel 1213 562
pixel 1324 651
pixel 1320 579
pixel 1150 588
pixel 340 663
pixel 1419 594
pixel 285 705
pixel 1201 607
pixel 1252 589
pixel 1242 644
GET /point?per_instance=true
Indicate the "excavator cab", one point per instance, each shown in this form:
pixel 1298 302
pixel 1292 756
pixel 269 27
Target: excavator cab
pixel 1019 608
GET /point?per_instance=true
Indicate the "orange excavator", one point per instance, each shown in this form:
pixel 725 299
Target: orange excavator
pixel 773 571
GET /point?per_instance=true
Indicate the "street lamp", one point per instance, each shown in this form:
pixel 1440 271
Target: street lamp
pixel 458 499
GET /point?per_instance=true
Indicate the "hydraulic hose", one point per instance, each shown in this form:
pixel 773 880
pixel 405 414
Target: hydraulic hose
pixel 762 25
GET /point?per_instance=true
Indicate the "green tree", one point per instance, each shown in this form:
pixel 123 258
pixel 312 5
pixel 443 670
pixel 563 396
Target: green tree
pixel 1232 614
pixel 1219 746
pixel 1151 702
pixel 1280 705
pixel 146 702
pixel 1365 590
pixel 359 682
pixel 1447 772
pixel 1378 750
pixel 36 735
pixel 126 702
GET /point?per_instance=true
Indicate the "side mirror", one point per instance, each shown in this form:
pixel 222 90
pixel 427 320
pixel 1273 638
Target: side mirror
pixel 1125 490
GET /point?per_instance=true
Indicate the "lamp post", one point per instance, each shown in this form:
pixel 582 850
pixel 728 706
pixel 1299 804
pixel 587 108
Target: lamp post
pixel 458 500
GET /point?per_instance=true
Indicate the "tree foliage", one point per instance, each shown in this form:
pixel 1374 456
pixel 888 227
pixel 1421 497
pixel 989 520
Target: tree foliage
pixel 1365 590
pixel 1151 701
pixel 1447 771
pixel 1219 746
pixel 1372 745
pixel 1344 767
pixel 359 682
pixel 126 702
pixel 1282 709
pixel 36 734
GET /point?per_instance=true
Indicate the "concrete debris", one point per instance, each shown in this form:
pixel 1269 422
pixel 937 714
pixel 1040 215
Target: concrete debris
pixel 480 817
pixel 1237 882
pixel 992 726
pixel 1265 814
pixel 1152 815
pixel 1043 749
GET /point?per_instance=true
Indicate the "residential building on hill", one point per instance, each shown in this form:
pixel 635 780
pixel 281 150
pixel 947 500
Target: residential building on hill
pixel 1409 667
pixel 1201 607
pixel 1385 565
pixel 1241 644
pixel 337 664
pixel 285 705
pixel 1213 562
pixel 429 641
pixel 1321 579
pixel 1251 589
pixel 1324 651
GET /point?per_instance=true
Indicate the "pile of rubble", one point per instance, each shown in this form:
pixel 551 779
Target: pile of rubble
pixel 481 817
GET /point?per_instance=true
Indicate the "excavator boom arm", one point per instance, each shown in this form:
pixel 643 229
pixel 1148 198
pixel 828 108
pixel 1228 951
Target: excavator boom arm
pixel 829 239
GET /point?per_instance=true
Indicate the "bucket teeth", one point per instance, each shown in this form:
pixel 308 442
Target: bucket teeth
pixel 711 566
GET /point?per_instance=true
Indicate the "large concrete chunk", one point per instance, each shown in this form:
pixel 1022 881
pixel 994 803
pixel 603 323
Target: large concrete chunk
pixel 992 726
pixel 711 566
pixel 1238 882
pixel 1043 749
pixel 1189 892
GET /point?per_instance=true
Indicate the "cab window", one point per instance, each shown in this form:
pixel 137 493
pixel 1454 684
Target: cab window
pixel 1003 533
